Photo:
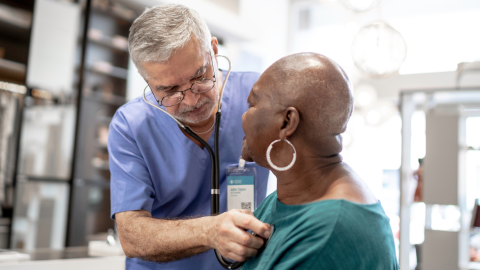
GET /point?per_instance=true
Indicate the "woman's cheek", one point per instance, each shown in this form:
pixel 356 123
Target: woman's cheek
pixel 244 121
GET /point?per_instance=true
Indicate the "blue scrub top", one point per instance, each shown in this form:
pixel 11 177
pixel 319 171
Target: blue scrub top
pixel 155 167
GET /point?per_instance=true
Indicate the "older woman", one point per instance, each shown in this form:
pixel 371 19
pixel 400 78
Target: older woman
pixel 323 215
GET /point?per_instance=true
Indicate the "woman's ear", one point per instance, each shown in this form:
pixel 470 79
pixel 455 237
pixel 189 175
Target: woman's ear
pixel 290 124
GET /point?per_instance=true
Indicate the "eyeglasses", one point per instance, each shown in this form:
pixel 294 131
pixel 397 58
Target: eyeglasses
pixel 198 87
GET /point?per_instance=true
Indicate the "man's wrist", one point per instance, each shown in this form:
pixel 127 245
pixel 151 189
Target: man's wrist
pixel 208 228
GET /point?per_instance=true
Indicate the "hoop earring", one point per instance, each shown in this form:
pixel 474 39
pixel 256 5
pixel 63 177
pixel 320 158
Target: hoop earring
pixel 269 160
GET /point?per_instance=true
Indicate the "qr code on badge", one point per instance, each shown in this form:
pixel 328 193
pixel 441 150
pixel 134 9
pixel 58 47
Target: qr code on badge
pixel 247 205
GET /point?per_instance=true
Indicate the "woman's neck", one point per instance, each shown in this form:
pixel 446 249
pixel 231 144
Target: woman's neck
pixel 308 180
pixel 324 181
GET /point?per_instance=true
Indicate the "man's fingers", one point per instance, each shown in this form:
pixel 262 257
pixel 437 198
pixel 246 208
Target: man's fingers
pixel 246 239
pixel 249 222
pixel 233 241
pixel 246 211
pixel 234 257
pixel 240 253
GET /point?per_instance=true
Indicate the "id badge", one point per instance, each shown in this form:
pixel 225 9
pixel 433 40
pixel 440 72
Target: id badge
pixel 241 186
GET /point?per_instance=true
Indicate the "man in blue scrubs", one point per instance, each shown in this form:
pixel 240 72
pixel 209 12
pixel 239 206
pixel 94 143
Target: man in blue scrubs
pixel 160 183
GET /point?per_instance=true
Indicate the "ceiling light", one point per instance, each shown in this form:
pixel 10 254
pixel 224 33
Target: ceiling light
pixel 379 50
pixel 365 95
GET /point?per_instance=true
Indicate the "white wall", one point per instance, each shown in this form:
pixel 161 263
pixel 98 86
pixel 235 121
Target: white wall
pixel 270 21
pixel 390 87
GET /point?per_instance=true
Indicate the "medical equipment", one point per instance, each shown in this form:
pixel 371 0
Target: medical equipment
pixel 215 170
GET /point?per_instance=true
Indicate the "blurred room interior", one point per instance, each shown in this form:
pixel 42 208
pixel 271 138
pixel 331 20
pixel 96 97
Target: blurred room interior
pixel 414 135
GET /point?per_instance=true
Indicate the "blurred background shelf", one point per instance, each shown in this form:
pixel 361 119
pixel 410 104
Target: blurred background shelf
pixel 110 70
pixel 116 42
pixel 114 10
pixel 15 17
pixel 15 27
pixel 104 119
pixel 105 98
pixel 12 71
pixel 101 145
pixel 19 32
pixel 100 163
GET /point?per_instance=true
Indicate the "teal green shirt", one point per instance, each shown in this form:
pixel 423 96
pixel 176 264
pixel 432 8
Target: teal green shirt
pixel 330 234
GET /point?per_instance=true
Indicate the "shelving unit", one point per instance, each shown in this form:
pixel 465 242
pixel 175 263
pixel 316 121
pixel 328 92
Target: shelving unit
pixel 106 68
pixel 12 71
pixel 107 98
pixel 117 42
pixel 445 182
pixel 103 89
pixel 15 26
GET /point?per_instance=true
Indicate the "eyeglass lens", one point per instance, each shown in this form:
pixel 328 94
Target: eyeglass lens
pixel 198 87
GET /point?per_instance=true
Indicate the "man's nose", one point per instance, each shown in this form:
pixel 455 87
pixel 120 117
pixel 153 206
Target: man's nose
pixel 190 98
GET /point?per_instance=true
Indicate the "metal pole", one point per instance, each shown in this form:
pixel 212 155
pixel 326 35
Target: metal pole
pixel 86 25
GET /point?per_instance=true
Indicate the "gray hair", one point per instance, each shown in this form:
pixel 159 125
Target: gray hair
pixel 161 30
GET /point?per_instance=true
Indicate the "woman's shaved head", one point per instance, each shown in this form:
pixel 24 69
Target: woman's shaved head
pixel 306 97
pixel 317 86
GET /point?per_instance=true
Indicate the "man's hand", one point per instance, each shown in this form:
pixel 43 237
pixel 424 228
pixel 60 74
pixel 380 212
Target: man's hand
pixel 163 240
pixel 230 238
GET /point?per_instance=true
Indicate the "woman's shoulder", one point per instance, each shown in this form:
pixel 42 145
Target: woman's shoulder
pixel 365 227
pixel 339 218
pixel 363 224
pixel 345 210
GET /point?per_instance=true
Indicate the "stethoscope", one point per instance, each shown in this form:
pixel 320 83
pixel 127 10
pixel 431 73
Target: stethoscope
pixel 215 168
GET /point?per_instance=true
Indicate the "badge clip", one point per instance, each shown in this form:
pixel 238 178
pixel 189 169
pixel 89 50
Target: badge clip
pixel 241 163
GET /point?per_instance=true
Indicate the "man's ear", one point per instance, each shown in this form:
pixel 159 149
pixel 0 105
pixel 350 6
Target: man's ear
pixel 290 124
pixel 214 45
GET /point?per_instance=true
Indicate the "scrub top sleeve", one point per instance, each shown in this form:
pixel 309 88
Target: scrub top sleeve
pixel 131 187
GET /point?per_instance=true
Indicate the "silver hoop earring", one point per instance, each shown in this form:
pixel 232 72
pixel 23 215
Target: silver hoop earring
pixel 269 160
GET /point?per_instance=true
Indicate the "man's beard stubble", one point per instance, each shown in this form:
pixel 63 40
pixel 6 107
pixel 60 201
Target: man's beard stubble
pixel 182 114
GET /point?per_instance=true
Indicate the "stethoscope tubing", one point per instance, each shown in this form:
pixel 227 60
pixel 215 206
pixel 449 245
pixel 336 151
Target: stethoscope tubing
pixel 215 162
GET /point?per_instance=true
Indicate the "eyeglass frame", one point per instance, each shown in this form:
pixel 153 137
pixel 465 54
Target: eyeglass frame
pixel 160 102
